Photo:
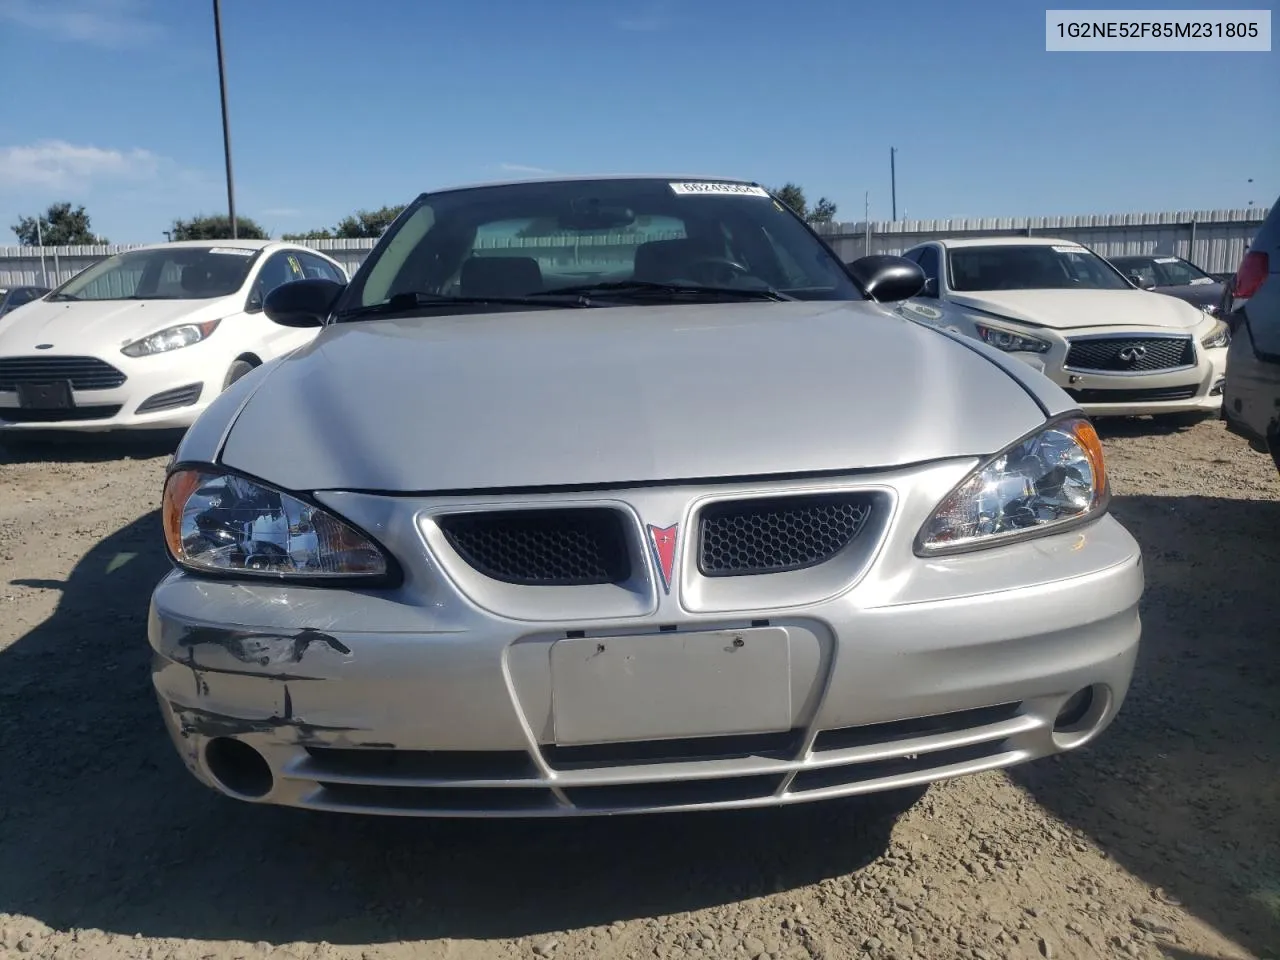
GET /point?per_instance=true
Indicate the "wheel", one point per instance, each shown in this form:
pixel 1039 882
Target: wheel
pixel 238 370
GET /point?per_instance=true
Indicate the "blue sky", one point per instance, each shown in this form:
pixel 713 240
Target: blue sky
pixel 337 106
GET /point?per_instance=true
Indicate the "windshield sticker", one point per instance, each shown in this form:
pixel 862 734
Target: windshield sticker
pixel 1057 249
pixel 233 251
pixel 1166 259
pixel 720 189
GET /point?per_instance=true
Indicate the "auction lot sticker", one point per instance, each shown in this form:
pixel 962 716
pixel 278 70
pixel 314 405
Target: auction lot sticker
pixel 720 189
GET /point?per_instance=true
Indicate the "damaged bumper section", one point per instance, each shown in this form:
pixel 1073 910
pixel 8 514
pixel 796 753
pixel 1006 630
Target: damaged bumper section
pixel 420 701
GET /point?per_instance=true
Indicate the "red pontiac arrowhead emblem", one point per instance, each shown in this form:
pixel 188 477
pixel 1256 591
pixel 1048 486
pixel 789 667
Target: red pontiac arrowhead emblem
pixel 663 541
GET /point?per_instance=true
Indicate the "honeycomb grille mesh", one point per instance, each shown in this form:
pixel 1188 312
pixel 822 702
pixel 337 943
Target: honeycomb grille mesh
pixel 567 547
pixel 777 534
pixel 1131 355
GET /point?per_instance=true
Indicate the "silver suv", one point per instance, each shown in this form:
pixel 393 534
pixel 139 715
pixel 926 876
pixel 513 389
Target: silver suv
pixel 1251 403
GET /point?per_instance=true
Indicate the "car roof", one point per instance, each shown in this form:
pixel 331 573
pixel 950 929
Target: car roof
pixel 234 244
pixel 952 243
pixel 580 178
pixel 238 244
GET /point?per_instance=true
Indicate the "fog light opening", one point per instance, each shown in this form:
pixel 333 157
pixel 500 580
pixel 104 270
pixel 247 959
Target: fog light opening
pixel 1219 386
pixel 1081 716
pixel 238 768
pixel 1073 711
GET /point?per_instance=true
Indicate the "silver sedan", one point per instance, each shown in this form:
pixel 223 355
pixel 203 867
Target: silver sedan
pixel 624 495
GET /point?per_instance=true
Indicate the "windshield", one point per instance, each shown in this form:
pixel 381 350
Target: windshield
pixel 1163 271
pixel 530 239
pixel 162 273
pixel 1031 267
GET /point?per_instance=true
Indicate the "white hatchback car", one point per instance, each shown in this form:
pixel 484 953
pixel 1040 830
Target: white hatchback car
pixel 1116 349
pixel 147 339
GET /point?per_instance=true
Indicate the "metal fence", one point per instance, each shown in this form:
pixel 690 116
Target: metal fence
pixel 1215 240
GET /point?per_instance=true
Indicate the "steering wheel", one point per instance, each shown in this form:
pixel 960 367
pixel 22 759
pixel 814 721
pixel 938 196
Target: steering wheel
pixel 719 271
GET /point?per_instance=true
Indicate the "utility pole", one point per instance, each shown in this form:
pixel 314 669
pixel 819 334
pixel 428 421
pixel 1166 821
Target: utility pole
pixel 44 274
pixel 226 126
pixel 866 219
pixel 893 181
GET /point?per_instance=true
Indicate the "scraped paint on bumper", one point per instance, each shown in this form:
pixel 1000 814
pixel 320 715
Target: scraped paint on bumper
pixel 423 702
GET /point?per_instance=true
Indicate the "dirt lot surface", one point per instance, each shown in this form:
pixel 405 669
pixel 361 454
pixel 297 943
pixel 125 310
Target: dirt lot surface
pixel 1162 840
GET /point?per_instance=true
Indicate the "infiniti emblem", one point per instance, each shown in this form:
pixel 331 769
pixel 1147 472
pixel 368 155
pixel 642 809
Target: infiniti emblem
pixel 1133 354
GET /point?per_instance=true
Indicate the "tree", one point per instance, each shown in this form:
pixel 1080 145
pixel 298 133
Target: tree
pixel 367 223
pixel 793 196
pixel 362 223
pixel 60 226
pixel 322 234
pixel 824 211
pixel 216 227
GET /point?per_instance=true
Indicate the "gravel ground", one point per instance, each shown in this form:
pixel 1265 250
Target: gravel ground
pixel 1162 840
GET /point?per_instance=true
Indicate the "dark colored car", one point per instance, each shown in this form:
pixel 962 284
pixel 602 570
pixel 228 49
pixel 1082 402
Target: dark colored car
pixel 1251 402
pixel 13 297
pixel 1175 277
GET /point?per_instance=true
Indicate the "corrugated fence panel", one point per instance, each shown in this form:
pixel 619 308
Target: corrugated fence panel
pixel 1216 240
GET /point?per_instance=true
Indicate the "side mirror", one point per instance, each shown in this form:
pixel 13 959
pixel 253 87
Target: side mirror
pixel 887 279
pixel 1137 281
pixel 302 303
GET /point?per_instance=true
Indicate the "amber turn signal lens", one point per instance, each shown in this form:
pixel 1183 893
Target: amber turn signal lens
pixel 178 489
pixel 1087 436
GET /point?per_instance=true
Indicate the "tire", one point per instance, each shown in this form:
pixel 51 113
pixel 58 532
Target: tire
pixel 238 370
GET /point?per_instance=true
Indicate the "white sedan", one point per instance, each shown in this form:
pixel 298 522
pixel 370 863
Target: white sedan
pixel 1116 349
pixel 147 339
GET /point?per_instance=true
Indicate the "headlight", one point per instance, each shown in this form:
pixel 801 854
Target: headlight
pixel 216 522
pixel 1044 482
pixel 1011 342
pixel 1219 337
pixel 174 338
pixel 1210 308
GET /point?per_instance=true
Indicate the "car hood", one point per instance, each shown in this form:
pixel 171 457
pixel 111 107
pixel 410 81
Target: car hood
pixel 620 395
pixel 1199 294
pixel 86 326
pixel 1073 309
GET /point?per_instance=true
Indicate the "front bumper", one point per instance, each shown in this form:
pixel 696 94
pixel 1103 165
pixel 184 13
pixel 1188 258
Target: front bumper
pixel 157 394
pixel 433 700
pixel 1193 389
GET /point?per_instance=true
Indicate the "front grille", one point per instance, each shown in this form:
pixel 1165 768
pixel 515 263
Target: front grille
pixel 1155 395
pixel 85 373
pixel 777 534
pixel 18 415
pixel 564 547
pixel 741 770
pixel 172 399
pixel 1131 354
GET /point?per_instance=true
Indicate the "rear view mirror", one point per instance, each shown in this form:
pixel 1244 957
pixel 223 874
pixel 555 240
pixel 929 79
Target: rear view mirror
pixel 302 303
pixel 887 279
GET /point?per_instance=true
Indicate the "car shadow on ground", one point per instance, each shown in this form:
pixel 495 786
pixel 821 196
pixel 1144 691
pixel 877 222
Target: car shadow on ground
pixel 102 827
pixel 1111 428
pixel 87 448
pixel 1184 789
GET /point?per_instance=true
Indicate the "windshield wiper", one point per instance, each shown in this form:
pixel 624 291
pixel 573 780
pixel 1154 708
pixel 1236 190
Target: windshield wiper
pixel 648 289
pixel 61 296
pixel 416 300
